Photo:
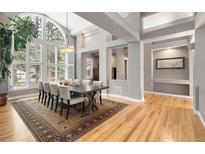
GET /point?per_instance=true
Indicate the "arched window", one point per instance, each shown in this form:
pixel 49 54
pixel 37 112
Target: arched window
pixel 42 59
pixel 38 22
pixel 53 33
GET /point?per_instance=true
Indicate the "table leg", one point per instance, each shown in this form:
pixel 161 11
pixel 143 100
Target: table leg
pixel 92 103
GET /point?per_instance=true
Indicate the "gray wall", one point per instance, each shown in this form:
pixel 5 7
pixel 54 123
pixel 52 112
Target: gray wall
pixel 199 70
pixel 118 87
pixel 93 42
pixel 147 67
pixel 171 88
pixel 171 73
pixel 182 74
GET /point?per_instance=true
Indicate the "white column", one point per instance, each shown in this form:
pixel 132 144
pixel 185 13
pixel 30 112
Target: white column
pixel 199 71
pixel 103 58
pixel 135 71
pixel 191 53
pixel 44 54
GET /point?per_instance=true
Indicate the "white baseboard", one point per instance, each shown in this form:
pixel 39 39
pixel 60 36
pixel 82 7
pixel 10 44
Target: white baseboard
pixel 124 97
pixel 194 110
pixel 201 118
pixel 25 96
pixel 168 94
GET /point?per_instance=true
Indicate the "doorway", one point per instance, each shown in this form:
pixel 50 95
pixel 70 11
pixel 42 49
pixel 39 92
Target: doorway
pixel 90 65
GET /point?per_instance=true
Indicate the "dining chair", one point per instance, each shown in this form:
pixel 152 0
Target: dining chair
pixel 86 82
pixel 98 94
pixel 54 94
pixel 41 91
pixel 47 93
pixel 68 101
pixel 76 81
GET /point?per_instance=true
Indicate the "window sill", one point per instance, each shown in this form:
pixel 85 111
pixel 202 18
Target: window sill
pixel 21 89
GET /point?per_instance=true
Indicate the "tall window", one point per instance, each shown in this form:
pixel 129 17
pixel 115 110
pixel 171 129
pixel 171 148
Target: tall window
pixel 18 71
pixel 42 59
pixel 35 59
pixel 57 64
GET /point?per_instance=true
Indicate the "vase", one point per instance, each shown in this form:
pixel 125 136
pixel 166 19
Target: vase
pixel 3 99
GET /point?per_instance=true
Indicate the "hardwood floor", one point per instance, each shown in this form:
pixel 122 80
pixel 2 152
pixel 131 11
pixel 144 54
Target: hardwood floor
pixel 12 128
pixel 159 118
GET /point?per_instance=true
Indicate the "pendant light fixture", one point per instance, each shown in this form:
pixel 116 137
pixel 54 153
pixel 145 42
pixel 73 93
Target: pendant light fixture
pixel 68 47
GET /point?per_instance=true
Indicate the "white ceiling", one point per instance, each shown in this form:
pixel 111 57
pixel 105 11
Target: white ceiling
pixel 124 14
pixel 161 18
pixel 75 22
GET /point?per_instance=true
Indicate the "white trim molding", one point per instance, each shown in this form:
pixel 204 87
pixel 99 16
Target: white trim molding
pixel 125 97
pixel 200 117
pixel 168 94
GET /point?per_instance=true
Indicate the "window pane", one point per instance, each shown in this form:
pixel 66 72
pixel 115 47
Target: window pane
pixel 61 72
pixel 51 54
pixel 51 73
pixel 61 57
pixel 38 22
pixel 53 33
pixel 35 53
pixel 70 72
pixel 35 75
pixel 19 55
pixel 71 58
pixel 19 75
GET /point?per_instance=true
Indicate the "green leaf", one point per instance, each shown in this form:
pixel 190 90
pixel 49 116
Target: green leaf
pixel 24 31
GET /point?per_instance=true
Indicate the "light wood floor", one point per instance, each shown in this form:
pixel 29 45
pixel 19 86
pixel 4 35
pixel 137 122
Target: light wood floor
pixel 159 118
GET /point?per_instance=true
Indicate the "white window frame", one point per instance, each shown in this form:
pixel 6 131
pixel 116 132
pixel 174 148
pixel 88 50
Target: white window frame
pixel 43 62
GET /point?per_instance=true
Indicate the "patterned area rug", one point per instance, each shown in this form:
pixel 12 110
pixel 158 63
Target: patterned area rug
pixel 48 126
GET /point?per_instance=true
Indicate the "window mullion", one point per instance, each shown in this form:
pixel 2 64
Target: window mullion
pixel 56 64
pixel 27 65
pixel 66 66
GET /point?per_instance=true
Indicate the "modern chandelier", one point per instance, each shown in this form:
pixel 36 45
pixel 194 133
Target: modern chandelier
pixel 68 47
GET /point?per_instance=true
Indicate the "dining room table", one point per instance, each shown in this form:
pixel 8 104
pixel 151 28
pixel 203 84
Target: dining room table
pixel 89 92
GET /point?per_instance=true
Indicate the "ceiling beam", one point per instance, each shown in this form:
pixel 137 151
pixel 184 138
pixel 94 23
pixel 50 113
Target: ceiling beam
pixel 113 23
pixel 180 30
pixel 171 44
pixel 146 14
pixel 200 22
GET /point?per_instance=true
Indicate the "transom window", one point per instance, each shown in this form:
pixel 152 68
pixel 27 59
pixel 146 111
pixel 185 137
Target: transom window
pixel 53 33
pixel 42 59
pixel 38 22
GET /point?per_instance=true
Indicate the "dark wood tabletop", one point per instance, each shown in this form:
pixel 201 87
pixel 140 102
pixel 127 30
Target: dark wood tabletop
pixel 84 89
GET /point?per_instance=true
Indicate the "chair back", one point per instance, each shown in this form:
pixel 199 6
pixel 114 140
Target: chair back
pixel 40 85
pixel 98 83
pixel 86 82
pixel 64 92
pixel 54 89
pixel 76 80
pixel 46 87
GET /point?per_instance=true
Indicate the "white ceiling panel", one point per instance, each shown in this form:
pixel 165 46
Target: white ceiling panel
pixel 161 18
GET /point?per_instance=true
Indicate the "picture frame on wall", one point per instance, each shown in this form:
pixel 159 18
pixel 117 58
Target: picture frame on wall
pixel 170 63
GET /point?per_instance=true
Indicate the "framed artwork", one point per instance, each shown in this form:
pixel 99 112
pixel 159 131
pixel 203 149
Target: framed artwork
pixel 171 63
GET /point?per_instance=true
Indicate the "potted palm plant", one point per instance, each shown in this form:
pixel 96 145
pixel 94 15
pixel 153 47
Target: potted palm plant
pixel 13 38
